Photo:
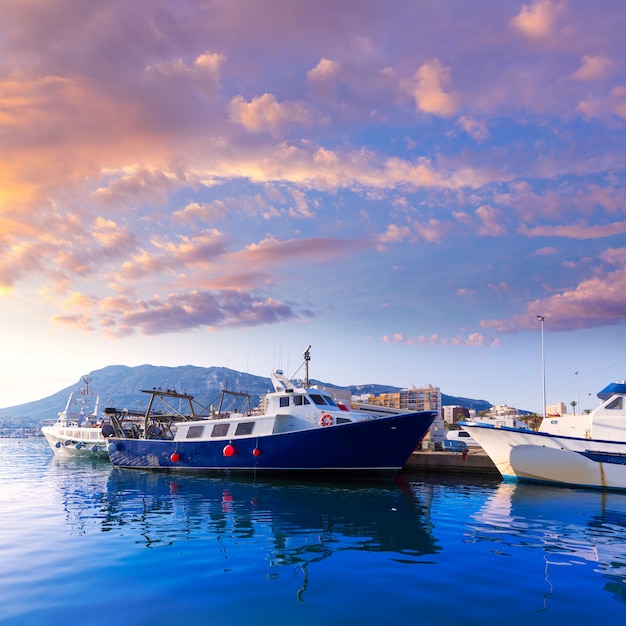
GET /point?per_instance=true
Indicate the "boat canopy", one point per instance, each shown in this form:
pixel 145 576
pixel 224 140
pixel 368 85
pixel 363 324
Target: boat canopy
pixel 612 389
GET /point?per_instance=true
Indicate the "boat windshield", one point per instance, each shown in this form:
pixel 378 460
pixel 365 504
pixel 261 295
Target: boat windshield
pixel 321 400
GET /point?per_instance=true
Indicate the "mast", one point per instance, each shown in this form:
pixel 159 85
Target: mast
pixel 307 358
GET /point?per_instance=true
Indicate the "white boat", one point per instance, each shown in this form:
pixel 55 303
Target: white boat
pixel 579 450
pixel 78 429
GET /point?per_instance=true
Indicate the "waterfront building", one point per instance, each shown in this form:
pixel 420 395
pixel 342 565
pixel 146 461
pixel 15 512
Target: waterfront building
pixel 410 399
pixel 503 415
pixel 556 409
pixel 454 414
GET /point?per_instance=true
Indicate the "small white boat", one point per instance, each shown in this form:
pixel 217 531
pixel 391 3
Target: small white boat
pixel 579 450
pixel 78 429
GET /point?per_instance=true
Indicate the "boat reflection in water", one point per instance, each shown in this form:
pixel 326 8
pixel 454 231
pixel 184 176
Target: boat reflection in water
pixel 368 516
pixel 227 523
pixel 565 527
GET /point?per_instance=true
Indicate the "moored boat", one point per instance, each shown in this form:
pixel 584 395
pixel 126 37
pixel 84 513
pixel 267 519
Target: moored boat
pixel 77 431
pixel 579 450
pixel 301 430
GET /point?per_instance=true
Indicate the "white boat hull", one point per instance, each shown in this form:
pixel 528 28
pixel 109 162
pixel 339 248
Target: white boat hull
pixel 76 441
pixel 537 456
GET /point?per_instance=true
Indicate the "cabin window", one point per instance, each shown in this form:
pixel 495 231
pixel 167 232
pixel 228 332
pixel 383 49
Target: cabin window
pixel 220 430
pixel 300 400
pixel 462 433
pixel 343 420
pixel 193 432
pixel 284 401
pixel 318 399
pixel 244 428
pixel 616 404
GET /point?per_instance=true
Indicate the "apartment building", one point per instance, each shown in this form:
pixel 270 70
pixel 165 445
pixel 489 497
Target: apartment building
pixel 411 399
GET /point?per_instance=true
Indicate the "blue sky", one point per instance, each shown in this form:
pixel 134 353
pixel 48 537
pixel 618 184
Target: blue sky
pixel 405 186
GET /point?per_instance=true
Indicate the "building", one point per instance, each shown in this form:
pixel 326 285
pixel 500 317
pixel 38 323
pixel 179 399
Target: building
pixel 411 399
pixel 556 409
pixel 455 414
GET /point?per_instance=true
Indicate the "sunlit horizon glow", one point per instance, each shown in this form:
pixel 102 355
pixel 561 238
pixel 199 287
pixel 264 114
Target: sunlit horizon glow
pixel 403 186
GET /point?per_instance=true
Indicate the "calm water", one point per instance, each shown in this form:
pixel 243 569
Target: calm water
pixel 85 544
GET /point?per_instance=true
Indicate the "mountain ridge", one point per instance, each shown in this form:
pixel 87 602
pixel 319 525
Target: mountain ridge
pixel 121 385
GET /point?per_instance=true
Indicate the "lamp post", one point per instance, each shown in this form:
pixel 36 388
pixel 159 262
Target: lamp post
pixel 542 318
pixel 577 393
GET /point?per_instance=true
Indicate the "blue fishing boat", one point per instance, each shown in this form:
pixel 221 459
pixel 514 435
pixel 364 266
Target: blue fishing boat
pixel 300 430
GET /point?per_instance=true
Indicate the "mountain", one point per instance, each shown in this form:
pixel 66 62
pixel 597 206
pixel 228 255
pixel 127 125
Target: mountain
pixel 120 386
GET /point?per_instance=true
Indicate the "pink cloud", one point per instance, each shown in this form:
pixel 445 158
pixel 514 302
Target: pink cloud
pixel 547 251
pixel 266 114
pixel 536 20
pixel 427 87
pixel 432 230
pixel 173 256
pixel 203 212
pixel 501 287
pixel 24 259
pixel 326 70
pixel 594 68
pixel 476 129
pixel 465 293
pixel 61 247
pixel 596 301
pixel 141 186
pixel 472 340
pixel 575 231
pixel 490 219
pixel 177 313
pixel 275 253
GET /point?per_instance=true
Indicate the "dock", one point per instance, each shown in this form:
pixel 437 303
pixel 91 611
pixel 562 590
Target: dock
pixel 471 462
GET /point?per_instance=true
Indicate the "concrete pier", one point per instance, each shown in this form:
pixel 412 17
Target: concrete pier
pixel 472 462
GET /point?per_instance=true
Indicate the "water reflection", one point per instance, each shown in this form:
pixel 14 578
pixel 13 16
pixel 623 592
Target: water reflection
pixel 566 527
pixel 324 517
pixel 279 523
pixel 81 484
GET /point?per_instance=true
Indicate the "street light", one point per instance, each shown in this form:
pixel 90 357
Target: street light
pixel 542 318
pixel 577 393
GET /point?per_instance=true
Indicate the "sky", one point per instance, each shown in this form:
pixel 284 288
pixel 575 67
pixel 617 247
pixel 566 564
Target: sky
pixel 405 186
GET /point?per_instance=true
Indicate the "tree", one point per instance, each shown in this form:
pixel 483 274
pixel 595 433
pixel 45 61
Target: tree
pixel 573 403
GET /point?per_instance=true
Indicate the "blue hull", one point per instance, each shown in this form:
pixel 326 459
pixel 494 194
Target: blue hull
pixel 382 444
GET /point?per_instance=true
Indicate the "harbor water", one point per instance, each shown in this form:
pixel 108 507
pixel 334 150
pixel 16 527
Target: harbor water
pixel 81 542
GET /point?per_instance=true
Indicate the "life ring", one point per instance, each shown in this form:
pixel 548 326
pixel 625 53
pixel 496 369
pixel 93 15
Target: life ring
pixel 326 420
